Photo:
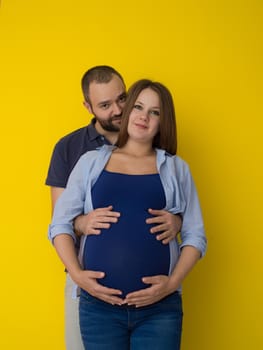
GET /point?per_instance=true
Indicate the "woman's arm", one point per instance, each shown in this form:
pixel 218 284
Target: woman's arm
pixel 162 285
pixel 192 247
pixel 85 279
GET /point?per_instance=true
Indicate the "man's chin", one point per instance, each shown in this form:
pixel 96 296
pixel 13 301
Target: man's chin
pixel 116 128
pixel 116 121
pixel 112 128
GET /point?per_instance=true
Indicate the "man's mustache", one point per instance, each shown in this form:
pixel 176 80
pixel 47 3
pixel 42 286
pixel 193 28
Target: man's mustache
pixel 116 117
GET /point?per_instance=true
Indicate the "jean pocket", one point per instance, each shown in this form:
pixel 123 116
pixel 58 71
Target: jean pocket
pixel 173 301
pixel 86 298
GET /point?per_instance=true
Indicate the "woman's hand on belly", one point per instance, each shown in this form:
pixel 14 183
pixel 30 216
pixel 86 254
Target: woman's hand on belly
pixel 159 289
pixel 87 280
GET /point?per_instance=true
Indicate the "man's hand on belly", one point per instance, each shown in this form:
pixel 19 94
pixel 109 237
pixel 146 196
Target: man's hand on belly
pixel 94 221
pixel 167 225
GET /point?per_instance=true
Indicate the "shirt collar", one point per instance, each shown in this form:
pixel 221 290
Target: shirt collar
pixel 93 133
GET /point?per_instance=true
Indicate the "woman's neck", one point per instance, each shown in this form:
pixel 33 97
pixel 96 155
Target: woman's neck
pixel 133 158
pixel 137 149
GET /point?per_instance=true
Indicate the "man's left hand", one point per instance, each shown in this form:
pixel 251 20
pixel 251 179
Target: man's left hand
pixel 165 222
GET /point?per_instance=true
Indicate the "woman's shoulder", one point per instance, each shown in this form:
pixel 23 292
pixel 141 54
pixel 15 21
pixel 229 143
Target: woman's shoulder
pixel 99 151
pixel 172 158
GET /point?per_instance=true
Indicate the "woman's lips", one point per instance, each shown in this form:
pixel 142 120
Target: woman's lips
pixel 141 126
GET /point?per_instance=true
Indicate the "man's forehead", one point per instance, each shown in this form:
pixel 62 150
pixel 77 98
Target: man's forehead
pixel 99 92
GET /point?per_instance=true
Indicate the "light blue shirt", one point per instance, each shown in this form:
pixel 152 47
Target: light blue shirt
pixel 179 188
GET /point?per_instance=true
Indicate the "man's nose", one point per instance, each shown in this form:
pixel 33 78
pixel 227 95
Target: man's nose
pixel 117 109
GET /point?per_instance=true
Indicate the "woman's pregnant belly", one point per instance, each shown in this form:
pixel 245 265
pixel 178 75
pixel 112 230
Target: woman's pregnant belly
pixel 127 251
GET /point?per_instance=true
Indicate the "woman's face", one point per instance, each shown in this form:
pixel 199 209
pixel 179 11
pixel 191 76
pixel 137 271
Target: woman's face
pixel 144 118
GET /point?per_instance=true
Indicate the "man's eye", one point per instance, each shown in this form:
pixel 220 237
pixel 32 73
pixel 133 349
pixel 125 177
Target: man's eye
pixel 123 98
pixel 105 106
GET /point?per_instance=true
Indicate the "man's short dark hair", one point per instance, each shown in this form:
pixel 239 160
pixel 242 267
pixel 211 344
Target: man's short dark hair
pixel 99 74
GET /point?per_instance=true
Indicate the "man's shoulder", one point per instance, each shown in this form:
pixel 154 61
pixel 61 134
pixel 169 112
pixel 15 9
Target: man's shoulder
pixel 74 134
pixel 96 156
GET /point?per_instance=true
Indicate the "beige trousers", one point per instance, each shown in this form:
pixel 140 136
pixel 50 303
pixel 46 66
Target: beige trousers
pixel 72 330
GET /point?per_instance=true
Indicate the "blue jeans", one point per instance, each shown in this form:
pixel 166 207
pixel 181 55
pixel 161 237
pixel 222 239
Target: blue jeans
pixel 111 327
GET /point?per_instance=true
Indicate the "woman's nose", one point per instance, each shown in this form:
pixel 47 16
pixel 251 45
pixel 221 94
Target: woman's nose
pixel 144 115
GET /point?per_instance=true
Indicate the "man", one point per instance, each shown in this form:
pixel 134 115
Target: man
pixel 104 97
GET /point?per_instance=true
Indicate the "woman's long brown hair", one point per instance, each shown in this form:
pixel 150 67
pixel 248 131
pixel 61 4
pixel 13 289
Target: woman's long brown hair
pixel 166 138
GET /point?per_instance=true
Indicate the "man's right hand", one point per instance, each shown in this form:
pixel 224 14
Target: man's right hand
pixel 87 280
pixel 94 221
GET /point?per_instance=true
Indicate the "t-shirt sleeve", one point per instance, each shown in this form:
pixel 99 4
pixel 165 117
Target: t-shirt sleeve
pixel 58 171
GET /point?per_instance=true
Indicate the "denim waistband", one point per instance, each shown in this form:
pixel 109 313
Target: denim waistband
pixel 91 298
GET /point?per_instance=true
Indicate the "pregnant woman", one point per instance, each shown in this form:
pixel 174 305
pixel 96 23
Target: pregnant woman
pixel 141 172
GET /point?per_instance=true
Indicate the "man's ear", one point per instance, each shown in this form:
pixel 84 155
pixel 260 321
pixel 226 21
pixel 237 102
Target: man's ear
pixel 88 106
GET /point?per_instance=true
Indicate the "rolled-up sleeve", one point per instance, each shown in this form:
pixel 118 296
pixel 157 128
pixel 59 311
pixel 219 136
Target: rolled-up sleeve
pixel 192 232
pixel 69 205
pixel 58 229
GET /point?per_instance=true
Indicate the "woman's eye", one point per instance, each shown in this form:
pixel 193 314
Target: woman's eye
pixel 156 113
pixel 137 107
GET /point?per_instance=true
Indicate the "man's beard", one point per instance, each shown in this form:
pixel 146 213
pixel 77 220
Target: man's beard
pixel 108 125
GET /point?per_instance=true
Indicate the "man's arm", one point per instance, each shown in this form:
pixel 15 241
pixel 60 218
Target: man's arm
pixel 94 221
pixel 91 223
pixel 165 222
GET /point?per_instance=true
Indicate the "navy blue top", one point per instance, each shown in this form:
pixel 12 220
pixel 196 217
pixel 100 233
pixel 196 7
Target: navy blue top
pixel 127 251
pixel 68 150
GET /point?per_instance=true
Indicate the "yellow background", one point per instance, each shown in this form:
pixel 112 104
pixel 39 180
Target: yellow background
pixel 209 53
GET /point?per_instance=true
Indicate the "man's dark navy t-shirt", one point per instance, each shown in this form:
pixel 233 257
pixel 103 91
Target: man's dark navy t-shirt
pixel 68 150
